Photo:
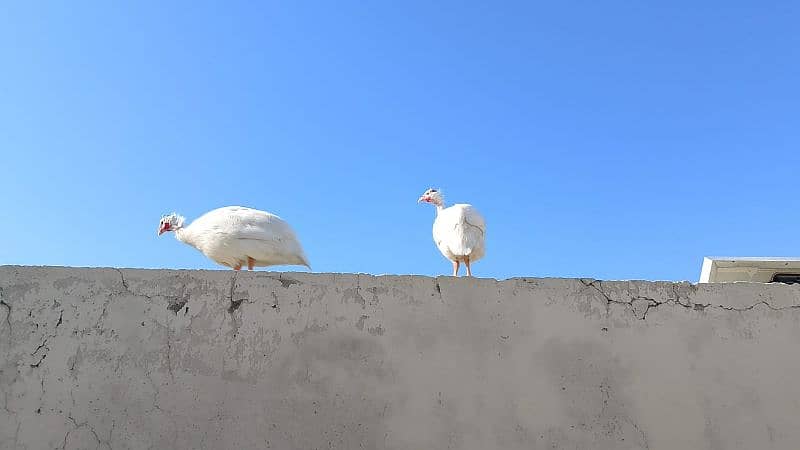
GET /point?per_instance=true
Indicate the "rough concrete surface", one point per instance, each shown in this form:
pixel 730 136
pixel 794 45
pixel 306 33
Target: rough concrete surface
pixel 140 359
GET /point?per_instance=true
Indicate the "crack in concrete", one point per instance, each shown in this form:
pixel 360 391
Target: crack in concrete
pixel 110 433
pixel 126 288
pixel 124 283
pixel 5 404
pixel 16 418
pixel 275 304
pixel 678 298
pixel 82 425
pixel 174 302
pixel 641 432
pixel 149 376
pixel 439 290
pixel 66 436
pixel 653 303
pixel 72 396
pixel 16 434
pixel 156 406
pixel 748 308
pixel 358 292
pixel 72 361
pixel 41 397
pixel 597 285
pixel 46 339
pixel 234 305
pixel 119 364
pixel 8 315
pixel 104 312
pixel 39 362
pixel 169 355
pixel 286 283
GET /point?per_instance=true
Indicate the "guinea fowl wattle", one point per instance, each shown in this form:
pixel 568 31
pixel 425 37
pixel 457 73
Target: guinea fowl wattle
pixel 235 236
pixel 459 231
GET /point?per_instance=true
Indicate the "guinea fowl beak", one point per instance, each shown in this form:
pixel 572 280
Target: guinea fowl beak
pixel 423 199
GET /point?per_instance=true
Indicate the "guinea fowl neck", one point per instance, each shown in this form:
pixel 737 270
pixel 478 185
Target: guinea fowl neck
pixel 439 207
pixel 184 235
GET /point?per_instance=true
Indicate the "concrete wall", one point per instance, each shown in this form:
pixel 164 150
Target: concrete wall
pixel 107 358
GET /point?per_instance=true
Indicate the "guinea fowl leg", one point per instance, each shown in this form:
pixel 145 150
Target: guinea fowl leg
pixel 466 263
pixel 455 268
pixel 250 263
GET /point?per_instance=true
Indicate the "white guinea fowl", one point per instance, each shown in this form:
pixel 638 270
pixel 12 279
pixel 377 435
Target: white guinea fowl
pixel 459 231
pixel 235 236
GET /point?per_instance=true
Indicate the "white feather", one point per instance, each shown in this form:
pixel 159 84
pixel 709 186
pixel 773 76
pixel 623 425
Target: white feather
pixel 459 231
pixel 231 234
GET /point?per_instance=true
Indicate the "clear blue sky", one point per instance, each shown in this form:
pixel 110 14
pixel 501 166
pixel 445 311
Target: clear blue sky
pixel 606 139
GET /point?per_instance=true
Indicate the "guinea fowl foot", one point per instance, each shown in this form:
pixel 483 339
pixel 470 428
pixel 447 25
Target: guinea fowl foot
pixel 250 263
pixel 237 267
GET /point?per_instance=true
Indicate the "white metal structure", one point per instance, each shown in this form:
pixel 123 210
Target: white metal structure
pixel 752 269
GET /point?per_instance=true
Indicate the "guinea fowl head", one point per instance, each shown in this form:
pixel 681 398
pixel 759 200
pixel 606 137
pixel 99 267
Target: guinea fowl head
pixel 433 196
pixel 170 222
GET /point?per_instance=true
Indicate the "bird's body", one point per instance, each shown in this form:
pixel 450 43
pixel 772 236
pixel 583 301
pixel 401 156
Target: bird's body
pixel 459 231
pixel 235 236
